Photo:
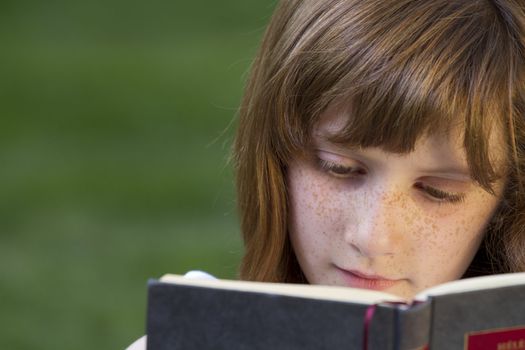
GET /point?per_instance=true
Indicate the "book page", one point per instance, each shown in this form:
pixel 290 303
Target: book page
pixel 475 283
pixel 334 293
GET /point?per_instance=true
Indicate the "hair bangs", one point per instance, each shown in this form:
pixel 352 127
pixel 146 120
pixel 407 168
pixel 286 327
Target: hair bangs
pixel 416 71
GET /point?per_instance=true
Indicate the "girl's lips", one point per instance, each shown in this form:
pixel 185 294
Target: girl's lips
pixel 356 279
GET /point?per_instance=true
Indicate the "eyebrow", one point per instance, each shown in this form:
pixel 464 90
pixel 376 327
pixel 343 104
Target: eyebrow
pixel 452 170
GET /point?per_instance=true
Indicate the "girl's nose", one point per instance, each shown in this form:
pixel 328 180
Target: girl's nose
pixel 377 227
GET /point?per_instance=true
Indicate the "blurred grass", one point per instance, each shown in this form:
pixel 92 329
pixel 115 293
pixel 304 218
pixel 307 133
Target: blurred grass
pixel 115 134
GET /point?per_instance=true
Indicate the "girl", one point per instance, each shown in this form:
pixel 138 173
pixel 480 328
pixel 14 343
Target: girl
pixel 381 144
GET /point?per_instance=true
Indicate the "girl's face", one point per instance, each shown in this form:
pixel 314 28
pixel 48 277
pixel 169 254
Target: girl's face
pixel 368 218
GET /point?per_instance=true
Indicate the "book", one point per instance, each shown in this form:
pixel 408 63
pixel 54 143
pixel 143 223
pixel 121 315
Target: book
pixel 479 313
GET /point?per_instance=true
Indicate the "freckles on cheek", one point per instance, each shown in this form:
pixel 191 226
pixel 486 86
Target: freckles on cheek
pixel 446 245
pixel 318 197
pixel 422 236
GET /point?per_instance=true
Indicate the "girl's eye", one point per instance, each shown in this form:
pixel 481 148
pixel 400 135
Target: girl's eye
pixel 440 195
pixel 339 170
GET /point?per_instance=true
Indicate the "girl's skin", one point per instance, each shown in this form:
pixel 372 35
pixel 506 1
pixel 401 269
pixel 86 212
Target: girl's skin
pixel 373 219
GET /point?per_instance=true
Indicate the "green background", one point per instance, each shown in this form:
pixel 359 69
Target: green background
pixel 117 121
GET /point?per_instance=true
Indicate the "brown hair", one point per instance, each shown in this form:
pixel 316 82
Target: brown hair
pixel 409 68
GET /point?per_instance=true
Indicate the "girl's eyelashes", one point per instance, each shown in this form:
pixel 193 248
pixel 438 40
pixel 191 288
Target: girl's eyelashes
pixel 343 171
pixel 440 195
pixel 339 170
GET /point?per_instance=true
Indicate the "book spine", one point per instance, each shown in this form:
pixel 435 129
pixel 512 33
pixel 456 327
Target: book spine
pixel 413 326
pixel 379 327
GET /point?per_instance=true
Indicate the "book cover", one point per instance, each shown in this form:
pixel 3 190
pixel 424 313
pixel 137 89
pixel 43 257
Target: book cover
pixel 479 313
